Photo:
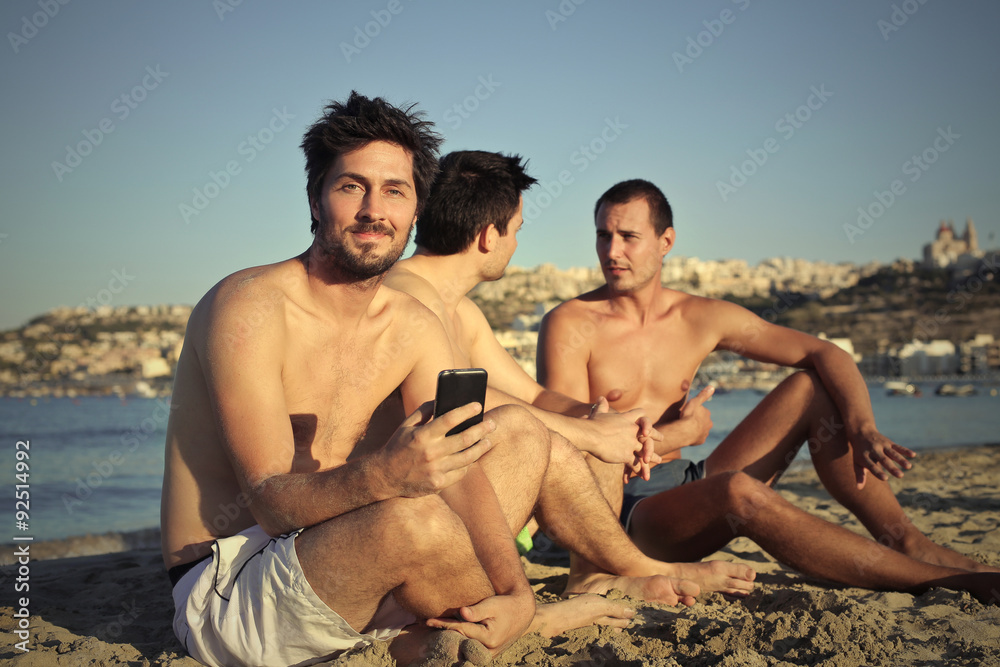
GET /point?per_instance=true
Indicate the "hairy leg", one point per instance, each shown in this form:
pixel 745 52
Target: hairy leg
pixel 416 549
pixel 798 410
pixel 696 519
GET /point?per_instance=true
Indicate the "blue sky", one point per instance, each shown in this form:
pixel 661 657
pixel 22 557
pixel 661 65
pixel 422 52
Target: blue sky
pixel 766 124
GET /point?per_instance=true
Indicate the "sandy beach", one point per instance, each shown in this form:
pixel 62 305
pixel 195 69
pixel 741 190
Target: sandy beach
pixel 106 601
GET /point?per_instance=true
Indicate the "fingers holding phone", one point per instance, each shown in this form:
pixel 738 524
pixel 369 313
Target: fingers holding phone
pixel 427 457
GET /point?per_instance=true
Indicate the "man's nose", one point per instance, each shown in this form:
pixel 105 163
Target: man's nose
pixel 615 248
pixel 371 207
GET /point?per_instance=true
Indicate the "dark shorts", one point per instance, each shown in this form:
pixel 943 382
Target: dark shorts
pixel 662 478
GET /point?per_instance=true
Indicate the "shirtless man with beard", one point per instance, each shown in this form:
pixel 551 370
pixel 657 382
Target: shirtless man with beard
pixel 300 519
pixel 636 336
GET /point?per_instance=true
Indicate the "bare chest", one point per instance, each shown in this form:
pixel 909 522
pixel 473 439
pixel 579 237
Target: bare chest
pixel 653 368
pixel 332 392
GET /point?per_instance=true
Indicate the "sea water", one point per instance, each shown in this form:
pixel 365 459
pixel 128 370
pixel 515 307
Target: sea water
pixel 96 464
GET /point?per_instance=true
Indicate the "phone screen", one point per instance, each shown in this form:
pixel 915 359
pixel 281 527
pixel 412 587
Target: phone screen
pixel 458 387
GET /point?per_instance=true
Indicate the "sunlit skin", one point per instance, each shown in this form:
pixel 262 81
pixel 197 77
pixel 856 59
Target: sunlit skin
pixel 276 413
pixel 441 282
pixel 635 336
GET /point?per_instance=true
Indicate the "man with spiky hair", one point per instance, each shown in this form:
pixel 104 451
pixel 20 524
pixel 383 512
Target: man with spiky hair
pixel 467 234
pixel 300 519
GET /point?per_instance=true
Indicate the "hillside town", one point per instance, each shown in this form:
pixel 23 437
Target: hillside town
pixel 133 350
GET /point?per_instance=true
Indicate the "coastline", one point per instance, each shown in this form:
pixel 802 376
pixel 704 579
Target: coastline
pixel 115 608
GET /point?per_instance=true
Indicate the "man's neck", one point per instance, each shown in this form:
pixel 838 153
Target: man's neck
pixel 453 276
pixel 335 292
pixel 640 305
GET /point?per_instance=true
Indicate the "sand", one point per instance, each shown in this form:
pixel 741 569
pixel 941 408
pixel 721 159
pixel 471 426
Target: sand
pixel 115 608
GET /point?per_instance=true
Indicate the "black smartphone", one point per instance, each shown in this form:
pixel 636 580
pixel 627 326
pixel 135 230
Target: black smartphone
pixel 458 387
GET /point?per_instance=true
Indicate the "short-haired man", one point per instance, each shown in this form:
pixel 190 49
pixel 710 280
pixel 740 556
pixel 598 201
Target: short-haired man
pixel 634 335
pixel 467 234
pixel 299 518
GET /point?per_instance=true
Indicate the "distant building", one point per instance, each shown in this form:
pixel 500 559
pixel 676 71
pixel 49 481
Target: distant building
pixel 948 250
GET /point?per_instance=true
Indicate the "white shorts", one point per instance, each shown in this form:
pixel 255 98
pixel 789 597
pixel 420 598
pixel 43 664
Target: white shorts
pixel 250 604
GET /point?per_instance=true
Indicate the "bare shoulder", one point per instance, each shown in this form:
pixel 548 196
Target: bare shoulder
pixel 402 280
pixel 702 310
pixel 470 314
pixel 248 302
pixel 587 306
pixel 407 312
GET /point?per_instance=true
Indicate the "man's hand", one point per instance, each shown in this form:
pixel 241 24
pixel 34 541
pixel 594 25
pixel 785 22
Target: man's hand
pixel 419 460
pixel 696 417
pixel 617 434
pixel 497 621
pixel 646 456
pixel 876 454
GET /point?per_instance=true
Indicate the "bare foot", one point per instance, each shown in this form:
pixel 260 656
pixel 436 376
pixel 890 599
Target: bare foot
pixel 935 554
pixel 984 586
pixel 657 588
pixel 717 576
pixel 556 618
pixel 421 646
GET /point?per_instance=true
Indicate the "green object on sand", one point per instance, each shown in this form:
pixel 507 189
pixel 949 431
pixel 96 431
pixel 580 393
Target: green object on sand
pixel 523 541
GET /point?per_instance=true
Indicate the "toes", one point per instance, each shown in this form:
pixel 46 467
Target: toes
pixel 474 651
pixel 686 588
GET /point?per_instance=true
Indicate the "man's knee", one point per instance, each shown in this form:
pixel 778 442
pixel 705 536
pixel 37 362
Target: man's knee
pixel 421 524
pixel 743 495
pixel 519 431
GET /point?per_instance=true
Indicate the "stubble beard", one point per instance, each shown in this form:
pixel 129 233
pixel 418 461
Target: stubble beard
pixel 360 263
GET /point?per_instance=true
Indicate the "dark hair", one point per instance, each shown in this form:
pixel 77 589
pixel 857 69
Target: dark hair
pixel 473 190
pixel 346 127
pixel 660 212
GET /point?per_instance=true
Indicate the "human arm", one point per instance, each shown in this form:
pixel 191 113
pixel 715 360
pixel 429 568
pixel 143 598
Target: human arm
pixel 744 333
pixel 244 368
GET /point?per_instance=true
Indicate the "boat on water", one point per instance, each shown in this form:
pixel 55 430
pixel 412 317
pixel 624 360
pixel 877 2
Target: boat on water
pixel 897 388
pixel 948 389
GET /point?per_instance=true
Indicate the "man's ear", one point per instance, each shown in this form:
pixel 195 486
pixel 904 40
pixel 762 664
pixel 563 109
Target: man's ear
pixel 488 238
pixel 667 240
pixel 314 209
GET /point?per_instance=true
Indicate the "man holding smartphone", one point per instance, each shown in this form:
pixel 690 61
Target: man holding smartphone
pixel 298 517
pixel 466 234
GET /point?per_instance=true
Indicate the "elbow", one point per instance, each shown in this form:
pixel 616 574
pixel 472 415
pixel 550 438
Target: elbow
pixel 266 509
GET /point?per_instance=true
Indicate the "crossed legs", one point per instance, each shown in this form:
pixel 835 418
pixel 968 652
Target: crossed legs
pixel 419 551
